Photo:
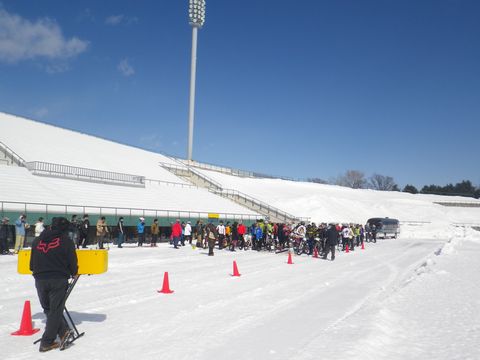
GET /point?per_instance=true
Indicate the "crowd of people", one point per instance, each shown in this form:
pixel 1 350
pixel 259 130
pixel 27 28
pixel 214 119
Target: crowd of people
pixel 262 235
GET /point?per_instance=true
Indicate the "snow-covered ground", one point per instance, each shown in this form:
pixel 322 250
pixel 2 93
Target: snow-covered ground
pixel 409 298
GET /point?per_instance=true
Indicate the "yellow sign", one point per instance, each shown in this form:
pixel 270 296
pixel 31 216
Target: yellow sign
pixel 213 216
pixel 89 262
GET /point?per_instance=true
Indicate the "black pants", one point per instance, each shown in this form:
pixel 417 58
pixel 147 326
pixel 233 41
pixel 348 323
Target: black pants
pixel 3 246
pixel 83 241
pixel 141 238
pixel 211 246
pixel 329 248
pixel 51 293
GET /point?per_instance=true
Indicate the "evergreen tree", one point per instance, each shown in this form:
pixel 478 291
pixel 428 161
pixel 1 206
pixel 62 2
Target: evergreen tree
pixel 410 189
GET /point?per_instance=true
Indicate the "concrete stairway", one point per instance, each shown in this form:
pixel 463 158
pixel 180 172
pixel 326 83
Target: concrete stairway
pixel 199 179
pixel 10 157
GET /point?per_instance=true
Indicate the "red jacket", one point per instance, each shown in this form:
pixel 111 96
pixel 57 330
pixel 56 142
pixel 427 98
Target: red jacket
pixel 241 229
pixel 177 230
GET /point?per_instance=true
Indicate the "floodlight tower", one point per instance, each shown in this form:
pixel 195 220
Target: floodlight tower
pixel 196 15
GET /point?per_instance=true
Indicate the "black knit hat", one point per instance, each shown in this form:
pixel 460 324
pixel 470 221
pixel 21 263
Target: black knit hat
pixel 60 223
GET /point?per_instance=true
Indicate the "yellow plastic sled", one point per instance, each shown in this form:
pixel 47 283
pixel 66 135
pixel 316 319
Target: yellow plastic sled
pixel 90 262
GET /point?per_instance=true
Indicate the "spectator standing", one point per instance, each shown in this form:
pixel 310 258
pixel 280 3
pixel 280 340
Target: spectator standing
pixel 141 231
pixel 102 231
pixel 330 242
pixel 211 238
pixel 374 233
pixel 39 227
pixel 4 232
pixel 20 231
pixel 258 236
pixel 121 232
pixel 234 231
pixel 200 234
pixel 221 235
pixel 84 231
pixel 176 233
pixel 73 231
pixel 241 234
pixel 188 232
pixel 155 230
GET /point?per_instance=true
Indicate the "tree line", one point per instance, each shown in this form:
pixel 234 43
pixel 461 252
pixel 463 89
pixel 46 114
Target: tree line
pixel 357 180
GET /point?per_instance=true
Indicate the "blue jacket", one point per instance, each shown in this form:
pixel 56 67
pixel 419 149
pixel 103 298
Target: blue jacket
pixel 20 227
pixel 259 232
pixel 141 227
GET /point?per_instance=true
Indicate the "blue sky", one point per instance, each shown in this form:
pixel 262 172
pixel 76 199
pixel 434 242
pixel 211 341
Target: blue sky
pixel 306 88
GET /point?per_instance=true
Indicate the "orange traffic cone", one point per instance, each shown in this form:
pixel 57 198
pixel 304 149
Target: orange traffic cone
pixel 315 252
pixel 26 327
pixel 363 246
pixel 346 249
pixel 235 269
pixel 289 258
pixel 166 285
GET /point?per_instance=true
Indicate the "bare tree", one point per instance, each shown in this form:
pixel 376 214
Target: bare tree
pixel 353 178
pixel 381 182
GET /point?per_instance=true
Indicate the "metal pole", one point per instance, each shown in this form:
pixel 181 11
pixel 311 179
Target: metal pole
pixel 191 109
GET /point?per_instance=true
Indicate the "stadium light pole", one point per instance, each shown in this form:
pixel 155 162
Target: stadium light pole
pixel 196 15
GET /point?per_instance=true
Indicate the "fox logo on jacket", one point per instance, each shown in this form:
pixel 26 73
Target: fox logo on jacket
pixel 46 247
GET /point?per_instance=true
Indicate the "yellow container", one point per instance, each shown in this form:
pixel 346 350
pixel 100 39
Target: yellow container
pixel 90 262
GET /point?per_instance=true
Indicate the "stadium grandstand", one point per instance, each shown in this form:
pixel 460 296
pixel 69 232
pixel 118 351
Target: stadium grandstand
pixel 47 170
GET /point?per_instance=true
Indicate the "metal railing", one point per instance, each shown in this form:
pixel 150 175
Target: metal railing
pixel 458 203
pixel 271 210
pixel 222 169
pixel 170 183
pixel 413 222
pixel 189 171
pixel 12 155
pixel 176 168
pixel 207 179
pixel 230 171
pixel 79 173
pixel 64 209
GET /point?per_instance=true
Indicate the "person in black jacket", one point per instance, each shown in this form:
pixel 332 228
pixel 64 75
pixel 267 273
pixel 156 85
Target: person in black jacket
pixel 4 232
pixel 331 242
pixel 53 261
pixel 84 231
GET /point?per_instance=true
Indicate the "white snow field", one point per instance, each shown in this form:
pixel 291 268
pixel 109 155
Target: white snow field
pixel 398 299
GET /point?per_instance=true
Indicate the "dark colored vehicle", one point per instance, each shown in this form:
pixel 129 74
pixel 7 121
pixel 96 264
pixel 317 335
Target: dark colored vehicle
pixel 385 226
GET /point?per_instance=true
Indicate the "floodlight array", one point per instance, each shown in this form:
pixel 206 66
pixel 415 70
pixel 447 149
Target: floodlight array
pixel 196 12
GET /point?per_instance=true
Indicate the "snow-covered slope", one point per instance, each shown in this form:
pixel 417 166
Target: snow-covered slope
pixel 35 141
pixel 18 185
pixel 340 204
